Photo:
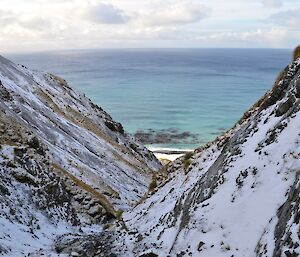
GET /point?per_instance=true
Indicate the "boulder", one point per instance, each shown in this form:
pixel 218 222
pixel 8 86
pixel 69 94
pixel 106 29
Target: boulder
pixel 285 106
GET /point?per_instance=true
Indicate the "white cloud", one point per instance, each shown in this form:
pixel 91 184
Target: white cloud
pixel 106 14
pixel 62 24
pixel 290 18
pixel 35 23
pixel 272 3
pixel 173 14
pixel 6 18
pixel 272 37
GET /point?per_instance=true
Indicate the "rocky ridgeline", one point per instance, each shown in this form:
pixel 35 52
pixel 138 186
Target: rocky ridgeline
pixel 66 166
pixel 236 196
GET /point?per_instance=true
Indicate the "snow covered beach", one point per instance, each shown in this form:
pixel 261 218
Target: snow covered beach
pixel 168 154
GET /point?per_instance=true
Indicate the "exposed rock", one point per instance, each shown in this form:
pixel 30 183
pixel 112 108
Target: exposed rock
pixel 297 88
pixel 284 107
pixel 24 177
pixel 4 94
pixel 149 255
pixel 167 136
pixel 3 189
pixel 200 246
pixel 86 245
pixel 114 126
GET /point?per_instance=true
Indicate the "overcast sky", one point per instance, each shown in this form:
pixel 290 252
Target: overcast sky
pixel 36 25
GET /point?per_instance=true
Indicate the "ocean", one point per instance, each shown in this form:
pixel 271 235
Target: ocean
pixel 172 98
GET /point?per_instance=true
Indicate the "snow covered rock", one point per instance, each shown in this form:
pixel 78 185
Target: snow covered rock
pixel 82 138
pixel 65 165
pixel 236 196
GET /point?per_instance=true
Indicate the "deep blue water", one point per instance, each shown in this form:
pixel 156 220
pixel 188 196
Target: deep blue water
pixel 203 91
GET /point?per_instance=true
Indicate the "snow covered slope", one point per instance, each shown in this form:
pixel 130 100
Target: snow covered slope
pixel 82 139
pixel 64 166
pixel 237 196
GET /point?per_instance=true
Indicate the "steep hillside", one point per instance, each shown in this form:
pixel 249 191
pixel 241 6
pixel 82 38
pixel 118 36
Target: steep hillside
pixel 237 196
pixel 64 164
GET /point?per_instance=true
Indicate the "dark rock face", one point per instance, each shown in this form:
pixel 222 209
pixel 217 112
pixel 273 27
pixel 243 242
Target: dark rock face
pixel 280 87
pixel 200 245
pixel 288 217
pixel 114 126
pixel 284 107
pixel 30 169
pixel 86 245
pixel 298 88
pixel 4 94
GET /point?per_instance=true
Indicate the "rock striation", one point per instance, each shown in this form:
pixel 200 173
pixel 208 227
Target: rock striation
pixel 65 165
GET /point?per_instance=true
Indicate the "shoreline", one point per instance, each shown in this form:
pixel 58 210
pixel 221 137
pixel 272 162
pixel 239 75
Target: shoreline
pixel 166 155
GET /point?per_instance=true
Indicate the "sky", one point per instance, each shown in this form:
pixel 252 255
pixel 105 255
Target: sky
pixel 39 25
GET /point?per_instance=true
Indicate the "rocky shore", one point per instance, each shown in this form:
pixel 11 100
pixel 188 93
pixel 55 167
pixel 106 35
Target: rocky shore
pixel 167 136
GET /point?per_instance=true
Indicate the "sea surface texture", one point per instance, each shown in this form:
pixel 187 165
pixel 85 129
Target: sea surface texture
pixel 172 98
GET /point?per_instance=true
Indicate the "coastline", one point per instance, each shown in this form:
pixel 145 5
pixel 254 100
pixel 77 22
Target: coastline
pixel 166 155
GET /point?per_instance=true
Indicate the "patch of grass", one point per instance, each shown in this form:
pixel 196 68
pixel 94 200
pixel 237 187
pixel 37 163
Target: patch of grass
pixel 153 183
pixel 119 214
pixel 187 160
pixel 102 199
pixel 60 80
pixel 296 53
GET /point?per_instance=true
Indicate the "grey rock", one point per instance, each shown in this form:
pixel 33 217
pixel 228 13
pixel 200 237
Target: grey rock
pixel 285 106
pixel 298 88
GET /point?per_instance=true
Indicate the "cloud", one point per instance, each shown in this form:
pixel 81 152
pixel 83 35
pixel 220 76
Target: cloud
pixel 58 24
pixel 176 14
pixel 35 23
pixel 289 18
pixel 275 36
pixel 6 18
pixel 106 14
pixel 272 3
pixel 9 19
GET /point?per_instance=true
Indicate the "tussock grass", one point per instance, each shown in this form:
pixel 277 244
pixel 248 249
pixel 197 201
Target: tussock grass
pixel 187 160
pixel 153 183
pixel 296 53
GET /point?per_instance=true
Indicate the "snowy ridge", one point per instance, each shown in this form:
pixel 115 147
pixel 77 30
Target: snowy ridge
pixel 66 168
pixel 82 138
pixel 237 196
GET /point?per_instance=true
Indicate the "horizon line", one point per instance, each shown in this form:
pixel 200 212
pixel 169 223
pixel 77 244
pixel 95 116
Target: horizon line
pixel 138 48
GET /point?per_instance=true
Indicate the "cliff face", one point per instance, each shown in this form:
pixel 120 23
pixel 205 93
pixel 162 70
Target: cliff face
pixel 237 196
pixel 64 163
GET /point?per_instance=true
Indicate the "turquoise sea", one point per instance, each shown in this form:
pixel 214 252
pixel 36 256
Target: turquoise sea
pixel 200 91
